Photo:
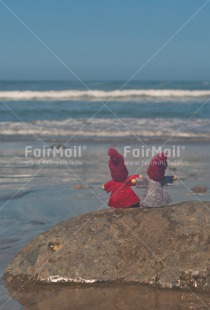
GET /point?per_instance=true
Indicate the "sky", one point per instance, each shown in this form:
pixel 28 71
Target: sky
pixel 104 40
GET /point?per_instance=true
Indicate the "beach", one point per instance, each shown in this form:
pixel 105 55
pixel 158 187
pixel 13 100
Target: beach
pixel 38 191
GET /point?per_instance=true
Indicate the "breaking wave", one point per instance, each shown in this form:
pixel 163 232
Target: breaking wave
pixel 96 128
pixel 112 95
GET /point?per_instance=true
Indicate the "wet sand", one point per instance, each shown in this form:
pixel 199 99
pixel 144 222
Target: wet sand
pixel 101 297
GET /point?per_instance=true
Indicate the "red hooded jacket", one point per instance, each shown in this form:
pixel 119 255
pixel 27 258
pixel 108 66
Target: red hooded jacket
pixel 122 195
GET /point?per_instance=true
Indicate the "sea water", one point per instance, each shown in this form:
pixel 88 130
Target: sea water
pixel 103 110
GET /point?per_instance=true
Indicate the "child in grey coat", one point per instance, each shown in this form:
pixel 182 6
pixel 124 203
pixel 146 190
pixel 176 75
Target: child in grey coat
pixel 155 194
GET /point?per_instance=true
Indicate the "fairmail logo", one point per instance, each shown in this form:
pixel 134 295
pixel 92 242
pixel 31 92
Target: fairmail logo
pixel 147 152
pixel 75 151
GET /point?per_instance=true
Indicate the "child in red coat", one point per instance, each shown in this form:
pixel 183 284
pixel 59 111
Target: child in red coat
pixel 122 196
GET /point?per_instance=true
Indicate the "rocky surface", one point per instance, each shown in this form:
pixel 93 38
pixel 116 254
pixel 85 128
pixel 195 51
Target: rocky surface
pixel 166 247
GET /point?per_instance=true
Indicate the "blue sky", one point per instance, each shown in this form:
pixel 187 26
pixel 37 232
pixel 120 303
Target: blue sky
pixel 104 40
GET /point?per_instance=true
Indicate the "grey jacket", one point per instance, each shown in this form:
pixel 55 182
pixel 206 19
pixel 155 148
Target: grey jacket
pixel 154 195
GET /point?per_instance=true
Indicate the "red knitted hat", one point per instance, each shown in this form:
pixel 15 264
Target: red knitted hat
pixel 157 167
pixel 117 167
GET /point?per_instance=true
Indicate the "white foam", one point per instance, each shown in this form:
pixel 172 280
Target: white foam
pixel 93 95
pixel 58 279
pixel 127 127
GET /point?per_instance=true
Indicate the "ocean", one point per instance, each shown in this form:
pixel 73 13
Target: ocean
pixel 37 192
pixel 100 110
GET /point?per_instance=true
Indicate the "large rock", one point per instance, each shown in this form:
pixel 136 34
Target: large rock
pixel 166 247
